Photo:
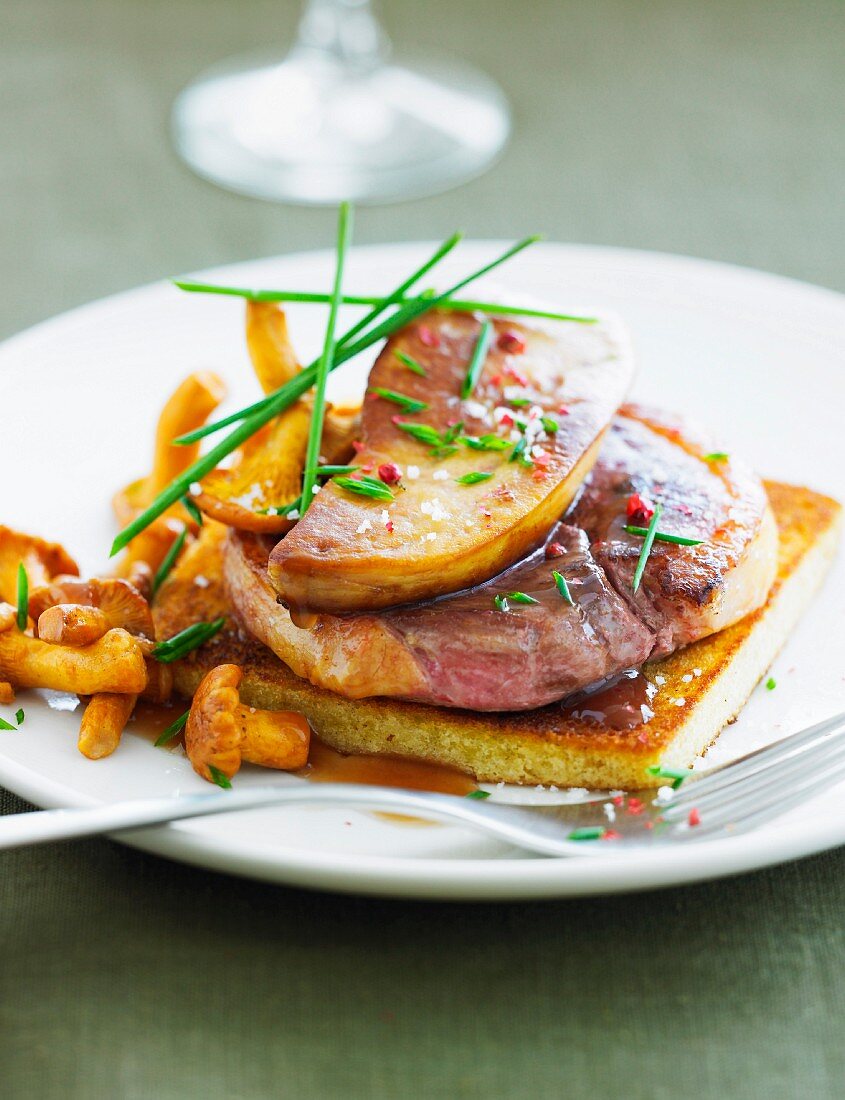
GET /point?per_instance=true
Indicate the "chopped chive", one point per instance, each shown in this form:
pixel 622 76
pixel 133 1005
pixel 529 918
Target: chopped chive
pixel 487 442
pixel 676 775
pixel 423 432
pixel 281 509
pixel 519 402
pixel 519 449
pixel 407 404
pixel 549 425
pixel 411 363
pixel 520 597
pixel 4 725
pixel 648 542
pixel 169 560
pixel 473 478
pixel 478 795
pixel 563 587
pixel 261 412
pixel 452 433
pixel 375 482
pixel 771 683
pixel 317 298
pixel 660 536
pixel 23 597
pixel 315 431
pixel 172 731
pixel 500 603
pixel 220 778
pixel 192 637
pixel 376 490
pixel 443 452
pixel 190 506
pixel 19 716
pixel 716 456
pixel 333 471
pixel 477 360
pixel 588 832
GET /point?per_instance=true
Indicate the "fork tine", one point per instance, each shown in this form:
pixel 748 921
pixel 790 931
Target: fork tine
pixel 827 751
pixel 732 817
pixel 762 759
pixel 778 773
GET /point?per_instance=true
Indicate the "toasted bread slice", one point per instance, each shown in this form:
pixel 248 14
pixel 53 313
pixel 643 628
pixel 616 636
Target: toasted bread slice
pixel 548 745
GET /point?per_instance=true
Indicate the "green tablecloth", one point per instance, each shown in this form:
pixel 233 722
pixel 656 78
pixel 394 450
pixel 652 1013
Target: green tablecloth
pixel 712 129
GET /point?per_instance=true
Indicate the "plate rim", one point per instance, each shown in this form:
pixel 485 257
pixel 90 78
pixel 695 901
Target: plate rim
pixel 460 879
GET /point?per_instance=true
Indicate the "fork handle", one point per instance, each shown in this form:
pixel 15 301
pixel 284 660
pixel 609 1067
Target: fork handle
pixel 511 824
pixel 44 826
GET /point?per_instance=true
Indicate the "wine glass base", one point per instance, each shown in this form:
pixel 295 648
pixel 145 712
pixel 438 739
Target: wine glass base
pixel 305 130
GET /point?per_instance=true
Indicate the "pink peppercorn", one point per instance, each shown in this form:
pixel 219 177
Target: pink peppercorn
pixel 389 473
pixel 638 510
pixel 428 337
pixel 512 343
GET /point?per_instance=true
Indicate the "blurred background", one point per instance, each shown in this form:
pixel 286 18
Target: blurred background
pixel 712 129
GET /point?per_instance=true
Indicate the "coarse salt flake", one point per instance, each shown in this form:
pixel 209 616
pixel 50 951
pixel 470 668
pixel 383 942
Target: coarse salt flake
pixel 412 473
pixel 363 527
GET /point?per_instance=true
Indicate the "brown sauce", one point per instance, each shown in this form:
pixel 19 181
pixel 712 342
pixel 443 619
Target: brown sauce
pixel 622 704
pixel 326 765
pixel 150 720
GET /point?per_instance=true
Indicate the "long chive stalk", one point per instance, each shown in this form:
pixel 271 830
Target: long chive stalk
pixel 463 305
pixel 263 411
pixel 410 309
pixel 315 431
pixel 648 542
pixel 396 297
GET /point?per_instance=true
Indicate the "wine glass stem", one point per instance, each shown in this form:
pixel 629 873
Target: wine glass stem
pixel 345 33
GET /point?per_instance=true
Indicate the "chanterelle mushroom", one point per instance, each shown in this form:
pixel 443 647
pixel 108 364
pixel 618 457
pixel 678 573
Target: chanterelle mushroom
pixel 220 733
pixel 8 616
pixel 120 602
pixel 188 407
pixel 114 663
pixel 42 561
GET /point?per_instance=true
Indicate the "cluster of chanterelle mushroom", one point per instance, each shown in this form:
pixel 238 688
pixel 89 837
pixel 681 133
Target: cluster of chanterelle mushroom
pixel 96 638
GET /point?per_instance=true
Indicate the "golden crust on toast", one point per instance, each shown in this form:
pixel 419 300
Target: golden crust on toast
pixel 541 746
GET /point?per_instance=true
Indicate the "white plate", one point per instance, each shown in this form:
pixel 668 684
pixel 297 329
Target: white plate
pixel 756 358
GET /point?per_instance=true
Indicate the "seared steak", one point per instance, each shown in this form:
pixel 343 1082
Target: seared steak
pixel 687 592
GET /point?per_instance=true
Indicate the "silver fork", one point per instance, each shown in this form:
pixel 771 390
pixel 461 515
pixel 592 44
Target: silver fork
pixel 729 799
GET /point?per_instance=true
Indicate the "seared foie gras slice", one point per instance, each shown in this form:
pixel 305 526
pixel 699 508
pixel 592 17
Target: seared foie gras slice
pixel 438 535
pixel 461 650
pixel 687 592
